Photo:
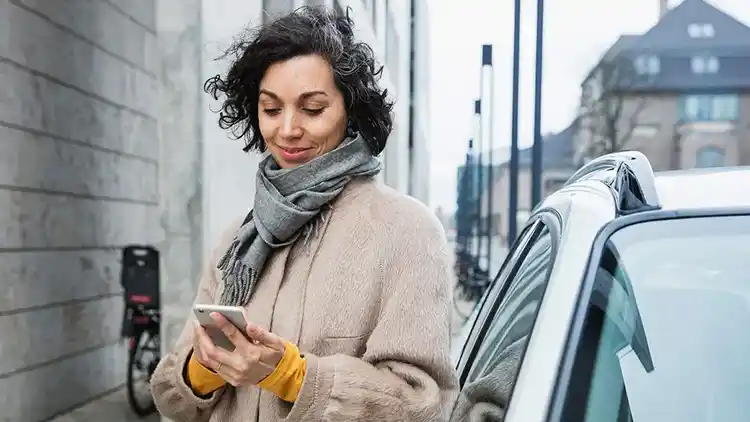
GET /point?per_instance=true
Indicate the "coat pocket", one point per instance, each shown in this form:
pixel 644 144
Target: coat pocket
pixel 349 346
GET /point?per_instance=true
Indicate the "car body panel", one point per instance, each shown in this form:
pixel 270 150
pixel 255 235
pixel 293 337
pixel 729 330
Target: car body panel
pixel 587 210
pixel 535 383
pixel 701 188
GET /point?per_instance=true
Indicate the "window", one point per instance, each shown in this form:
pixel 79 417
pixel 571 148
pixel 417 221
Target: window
pixel 701 30
pixel 491 377
pixel 664 335
pixel 702 64
pixel 371 5
pixel 392 54
pixel 506 272
pixel 647 65
pixel 723 107
pixel 710 157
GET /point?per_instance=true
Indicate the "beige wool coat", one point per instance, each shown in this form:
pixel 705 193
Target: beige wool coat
pixel 366 297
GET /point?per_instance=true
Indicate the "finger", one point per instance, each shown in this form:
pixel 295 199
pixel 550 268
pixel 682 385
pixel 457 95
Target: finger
pixel 233 334
pixel 211 354
pixel 198 345
pixel 229 374
pixel 266 338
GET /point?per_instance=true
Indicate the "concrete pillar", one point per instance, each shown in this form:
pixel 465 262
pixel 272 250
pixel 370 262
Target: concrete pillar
pixel 179 31
pixel 229 176
pixel 78 180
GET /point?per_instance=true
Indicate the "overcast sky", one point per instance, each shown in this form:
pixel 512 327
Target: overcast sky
pixel 576 34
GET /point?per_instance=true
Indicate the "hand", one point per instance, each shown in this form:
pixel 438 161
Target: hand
pixel 251 361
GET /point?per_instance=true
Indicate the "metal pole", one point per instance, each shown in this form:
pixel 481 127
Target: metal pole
pixel 463 217
pixel 536 149
pixel 487 117
pixel 513 190
pixel 479 184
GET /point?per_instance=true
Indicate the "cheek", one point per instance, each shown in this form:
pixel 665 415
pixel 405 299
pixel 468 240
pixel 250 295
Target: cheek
pixel 266 126
pixel 330 130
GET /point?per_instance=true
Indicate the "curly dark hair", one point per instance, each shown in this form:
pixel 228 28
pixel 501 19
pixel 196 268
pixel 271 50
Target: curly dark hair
pixel 307 30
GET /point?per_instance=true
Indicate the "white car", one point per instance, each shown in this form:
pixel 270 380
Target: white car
pixel 625 298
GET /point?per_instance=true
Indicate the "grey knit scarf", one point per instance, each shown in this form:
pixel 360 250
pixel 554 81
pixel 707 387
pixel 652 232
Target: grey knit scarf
pixel 286 200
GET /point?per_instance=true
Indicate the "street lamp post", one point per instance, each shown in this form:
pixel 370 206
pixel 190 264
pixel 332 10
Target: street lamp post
pixel 536 150
pixel 479 147
pixel 487 116
pixel 513 188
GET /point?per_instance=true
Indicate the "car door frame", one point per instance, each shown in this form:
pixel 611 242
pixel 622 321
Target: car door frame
pixel 543 218
pixel 572 339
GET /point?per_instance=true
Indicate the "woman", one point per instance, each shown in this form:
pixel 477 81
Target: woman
pixel 345 282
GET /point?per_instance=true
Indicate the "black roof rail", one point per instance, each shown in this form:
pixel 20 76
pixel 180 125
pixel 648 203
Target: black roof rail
pixel 633 182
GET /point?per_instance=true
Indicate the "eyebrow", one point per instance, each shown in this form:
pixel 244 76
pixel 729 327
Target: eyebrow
pixel 303 96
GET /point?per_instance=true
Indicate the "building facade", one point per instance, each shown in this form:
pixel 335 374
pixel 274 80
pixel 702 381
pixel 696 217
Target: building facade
pixel 679 93
pixel 106 139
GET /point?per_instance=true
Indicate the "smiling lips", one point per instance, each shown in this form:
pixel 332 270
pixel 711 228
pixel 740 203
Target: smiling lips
pixel 295 155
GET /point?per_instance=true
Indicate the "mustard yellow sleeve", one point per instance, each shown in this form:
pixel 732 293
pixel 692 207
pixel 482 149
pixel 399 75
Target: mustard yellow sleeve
pixel 202 380
pixel 286 379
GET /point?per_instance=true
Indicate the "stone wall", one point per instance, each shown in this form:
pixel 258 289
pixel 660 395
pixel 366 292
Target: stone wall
pixel 79 169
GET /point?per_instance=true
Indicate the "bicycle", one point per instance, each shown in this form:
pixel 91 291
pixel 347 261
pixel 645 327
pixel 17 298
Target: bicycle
pixel 141 323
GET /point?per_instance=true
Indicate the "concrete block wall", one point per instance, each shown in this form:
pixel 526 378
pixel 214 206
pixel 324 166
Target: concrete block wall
pixel 79 172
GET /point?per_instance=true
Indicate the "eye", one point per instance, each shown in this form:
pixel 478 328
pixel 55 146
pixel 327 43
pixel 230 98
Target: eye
pixel 271 111
pixel 313 111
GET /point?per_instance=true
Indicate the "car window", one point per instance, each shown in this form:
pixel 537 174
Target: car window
pixel 492 374
pixel 665 333
pixel 485 304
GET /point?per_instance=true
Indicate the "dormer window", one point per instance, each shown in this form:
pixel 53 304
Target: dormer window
pixel 701 30
pixel 647 65
pixel 704 64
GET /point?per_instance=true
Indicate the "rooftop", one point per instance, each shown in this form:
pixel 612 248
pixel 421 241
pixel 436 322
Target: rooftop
pixel 703 188
pixel 671 40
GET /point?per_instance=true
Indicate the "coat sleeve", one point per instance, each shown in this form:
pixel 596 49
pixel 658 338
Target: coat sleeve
pixel 406 372
pixel 173 397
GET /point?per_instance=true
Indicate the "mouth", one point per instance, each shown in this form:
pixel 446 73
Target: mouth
pixel 294 150
pixel 295 154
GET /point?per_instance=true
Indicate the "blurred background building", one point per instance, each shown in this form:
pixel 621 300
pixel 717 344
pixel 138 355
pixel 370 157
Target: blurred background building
pixel 679 93
pixel 106 139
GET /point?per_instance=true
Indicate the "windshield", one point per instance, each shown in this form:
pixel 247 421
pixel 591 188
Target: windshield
pixel 667 332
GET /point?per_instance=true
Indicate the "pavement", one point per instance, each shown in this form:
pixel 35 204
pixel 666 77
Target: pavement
pixel 110 408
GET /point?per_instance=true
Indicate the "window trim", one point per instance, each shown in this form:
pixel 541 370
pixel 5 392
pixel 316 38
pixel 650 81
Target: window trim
pixel 498 287
pixel 543 218
pixel 714 150
pixel 565 372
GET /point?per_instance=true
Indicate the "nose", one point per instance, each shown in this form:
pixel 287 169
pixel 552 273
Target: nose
pixel 290 127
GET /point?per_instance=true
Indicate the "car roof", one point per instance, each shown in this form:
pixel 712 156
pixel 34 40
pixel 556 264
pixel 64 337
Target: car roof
pixel 703 188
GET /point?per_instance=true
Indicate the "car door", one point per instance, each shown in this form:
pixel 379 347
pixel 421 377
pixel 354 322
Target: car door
pixel 493 355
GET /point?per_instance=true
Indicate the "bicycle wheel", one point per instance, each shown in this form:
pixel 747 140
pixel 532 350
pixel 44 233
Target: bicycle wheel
pixel 143 356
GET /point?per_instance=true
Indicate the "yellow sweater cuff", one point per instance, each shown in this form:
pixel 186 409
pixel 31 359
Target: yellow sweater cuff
pixel 202 380
pixel 286 379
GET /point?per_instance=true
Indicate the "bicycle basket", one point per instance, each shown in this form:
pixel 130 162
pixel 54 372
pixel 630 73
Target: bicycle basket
pixel 140 276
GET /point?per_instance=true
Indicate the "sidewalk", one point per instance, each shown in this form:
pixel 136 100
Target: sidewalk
pixel 111 408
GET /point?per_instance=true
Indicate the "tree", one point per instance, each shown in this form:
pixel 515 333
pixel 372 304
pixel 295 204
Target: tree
pixel 611 102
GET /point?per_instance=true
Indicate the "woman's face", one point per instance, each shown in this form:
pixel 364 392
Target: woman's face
pixel 301 113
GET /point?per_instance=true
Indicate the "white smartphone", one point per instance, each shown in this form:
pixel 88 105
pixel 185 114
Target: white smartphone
pixel 234 314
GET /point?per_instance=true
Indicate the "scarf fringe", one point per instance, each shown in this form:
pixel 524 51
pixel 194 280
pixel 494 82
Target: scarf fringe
pixel 239 284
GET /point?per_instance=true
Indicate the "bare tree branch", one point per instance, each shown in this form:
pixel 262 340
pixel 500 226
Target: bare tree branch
pixel 610 109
